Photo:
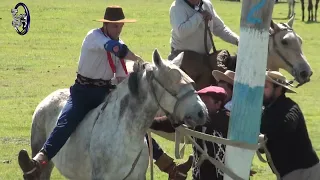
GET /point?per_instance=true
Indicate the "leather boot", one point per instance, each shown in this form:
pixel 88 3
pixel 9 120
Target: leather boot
pixel 31 168
pixel 176 172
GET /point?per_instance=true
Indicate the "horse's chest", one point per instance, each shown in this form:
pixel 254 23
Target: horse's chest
pixel 118 159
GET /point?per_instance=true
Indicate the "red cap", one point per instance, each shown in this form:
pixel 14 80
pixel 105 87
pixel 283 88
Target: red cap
pixel 216 92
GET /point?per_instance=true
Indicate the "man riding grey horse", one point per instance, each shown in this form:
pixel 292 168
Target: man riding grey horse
pixel 101 62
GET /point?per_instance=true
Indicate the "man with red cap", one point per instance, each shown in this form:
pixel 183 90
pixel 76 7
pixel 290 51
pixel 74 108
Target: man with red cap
pixel 217 125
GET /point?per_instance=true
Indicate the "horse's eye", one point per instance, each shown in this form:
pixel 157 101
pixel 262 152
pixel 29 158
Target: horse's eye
pixel 284 42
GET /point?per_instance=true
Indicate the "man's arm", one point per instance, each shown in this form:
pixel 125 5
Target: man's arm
pixel 98 41
pixel 162 124
pixel 285 123
pixel 130 55
pixel 292 119
pixel 219 29
pixel 184 27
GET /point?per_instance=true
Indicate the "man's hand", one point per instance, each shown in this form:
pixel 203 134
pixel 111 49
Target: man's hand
pixel 181 170
pixel 207 16
pixel 176 172
pixel 253 172
pixel 139 59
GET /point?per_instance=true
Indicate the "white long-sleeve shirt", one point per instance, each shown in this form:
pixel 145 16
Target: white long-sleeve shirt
pixel 188 27
pixel 93 60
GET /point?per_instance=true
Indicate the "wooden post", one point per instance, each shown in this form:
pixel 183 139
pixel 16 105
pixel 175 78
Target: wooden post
pixel 249 82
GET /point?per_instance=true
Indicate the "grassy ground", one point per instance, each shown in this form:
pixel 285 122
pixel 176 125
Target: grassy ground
pixel 34 65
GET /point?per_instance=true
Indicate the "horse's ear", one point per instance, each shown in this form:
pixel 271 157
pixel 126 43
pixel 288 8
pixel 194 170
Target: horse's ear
pixel 133 83
pixel 157 60
pixel 272 24
pixel 291 20
pixel 178 60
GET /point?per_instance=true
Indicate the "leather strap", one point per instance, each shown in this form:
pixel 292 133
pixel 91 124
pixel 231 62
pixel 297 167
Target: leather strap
pixel 206 32
pixel 113 67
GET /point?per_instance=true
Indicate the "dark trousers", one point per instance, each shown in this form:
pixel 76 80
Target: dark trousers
pixel 157 151
pixel 82 99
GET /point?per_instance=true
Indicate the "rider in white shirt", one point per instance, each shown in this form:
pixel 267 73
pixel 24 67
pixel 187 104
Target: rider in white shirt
pixel 101 60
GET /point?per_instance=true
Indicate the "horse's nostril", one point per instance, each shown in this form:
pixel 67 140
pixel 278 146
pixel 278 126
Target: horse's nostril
pixel 200 114
pixel 304 74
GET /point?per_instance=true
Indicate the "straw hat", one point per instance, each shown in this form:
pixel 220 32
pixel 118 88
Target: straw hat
pixel 114 14
pixel 227 76
pixel 277 78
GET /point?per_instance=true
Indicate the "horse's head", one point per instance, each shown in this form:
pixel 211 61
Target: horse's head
pixel 171 89
pixel 286 53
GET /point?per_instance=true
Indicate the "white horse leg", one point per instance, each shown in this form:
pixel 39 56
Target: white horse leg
pixel 140 170
pixel 289 12
pixel 293 4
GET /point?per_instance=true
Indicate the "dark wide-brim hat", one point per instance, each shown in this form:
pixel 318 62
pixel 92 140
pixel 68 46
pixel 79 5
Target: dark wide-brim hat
pixel 114 14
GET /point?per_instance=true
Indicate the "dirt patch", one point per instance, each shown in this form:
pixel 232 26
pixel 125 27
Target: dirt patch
pixel 14 140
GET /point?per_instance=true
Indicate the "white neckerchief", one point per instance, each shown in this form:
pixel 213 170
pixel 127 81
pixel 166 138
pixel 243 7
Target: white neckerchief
pixel 228 105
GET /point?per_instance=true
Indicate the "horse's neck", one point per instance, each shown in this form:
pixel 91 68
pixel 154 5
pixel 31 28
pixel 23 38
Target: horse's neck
pixel 273 59
pixel 144 113
pixel 135 114
pixel 270 62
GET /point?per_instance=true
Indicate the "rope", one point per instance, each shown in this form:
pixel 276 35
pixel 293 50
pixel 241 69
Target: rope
pixel 188 133
pixel 150 154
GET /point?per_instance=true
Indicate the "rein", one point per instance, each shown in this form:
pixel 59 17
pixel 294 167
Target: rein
pixel 272 35
pixel 206 32
pixel 275 45
pixel 168 114
pixel 190 134
pixel 179 98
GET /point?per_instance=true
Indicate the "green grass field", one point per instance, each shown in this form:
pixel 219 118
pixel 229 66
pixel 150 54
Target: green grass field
pixel 34 65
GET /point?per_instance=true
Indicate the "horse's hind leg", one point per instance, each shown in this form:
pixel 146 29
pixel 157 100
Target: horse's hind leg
pixel 293 6
pixel 290 10
pixel 316 11
pixel 310 11
pixel 302 9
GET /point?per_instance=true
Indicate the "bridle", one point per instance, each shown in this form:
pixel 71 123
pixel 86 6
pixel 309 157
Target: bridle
pixel 272 35
pixel 179 98
pixel 288 29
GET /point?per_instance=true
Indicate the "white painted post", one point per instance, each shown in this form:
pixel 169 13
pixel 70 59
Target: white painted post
pixel 249 82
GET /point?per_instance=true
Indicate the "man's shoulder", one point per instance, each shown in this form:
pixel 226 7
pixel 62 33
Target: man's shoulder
pixel 283 107
pixel 179 5
pixel 207 2
pixel 95 31
pixel 95 34
pixel 289 103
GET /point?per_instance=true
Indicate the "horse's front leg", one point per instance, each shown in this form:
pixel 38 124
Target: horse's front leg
pixel 302 9
pixel 289 11
pixel 97 173
pixel 316 12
